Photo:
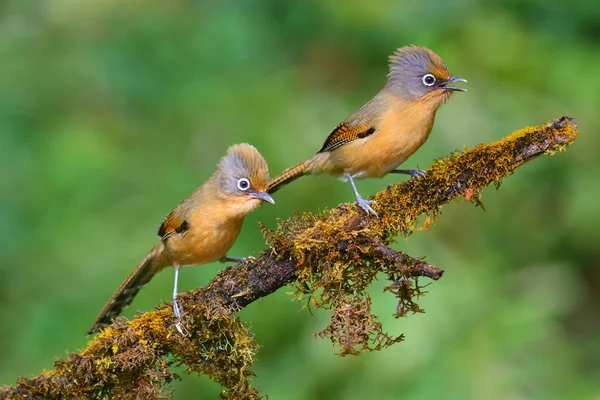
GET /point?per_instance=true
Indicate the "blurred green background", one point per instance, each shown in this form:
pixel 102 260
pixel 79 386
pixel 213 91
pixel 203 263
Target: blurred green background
pixel 112 112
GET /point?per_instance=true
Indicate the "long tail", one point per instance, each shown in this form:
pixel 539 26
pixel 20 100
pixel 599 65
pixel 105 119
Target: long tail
pixel 290 174
pixel 156 260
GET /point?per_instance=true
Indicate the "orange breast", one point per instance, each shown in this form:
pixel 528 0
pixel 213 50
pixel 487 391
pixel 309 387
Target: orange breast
pixel 212 231
pixel 400 132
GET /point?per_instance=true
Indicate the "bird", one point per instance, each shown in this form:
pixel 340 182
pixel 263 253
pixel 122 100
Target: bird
pixel 388 129
pixel 201 229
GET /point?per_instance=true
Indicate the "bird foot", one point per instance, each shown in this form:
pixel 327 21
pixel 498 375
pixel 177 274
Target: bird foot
pixel 177 312
pixel 225 259
pixel 416 173
pixel 181 329
pixel 366 205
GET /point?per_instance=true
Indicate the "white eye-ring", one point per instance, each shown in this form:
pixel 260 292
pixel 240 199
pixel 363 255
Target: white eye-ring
pixel 243 184
pixel 428 80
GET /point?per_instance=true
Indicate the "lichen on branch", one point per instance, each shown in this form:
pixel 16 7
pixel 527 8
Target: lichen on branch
pixel 331 259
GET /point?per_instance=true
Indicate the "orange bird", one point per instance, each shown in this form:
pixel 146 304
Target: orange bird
pixel 201 229
pixel 387 130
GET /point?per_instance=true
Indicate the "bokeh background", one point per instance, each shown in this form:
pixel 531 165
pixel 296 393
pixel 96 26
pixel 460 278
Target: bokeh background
pixel 112 112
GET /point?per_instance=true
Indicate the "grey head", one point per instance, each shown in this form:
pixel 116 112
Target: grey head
pixel 243 172
pixel 416 72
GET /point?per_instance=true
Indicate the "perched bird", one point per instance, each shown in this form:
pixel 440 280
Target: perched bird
pixel 387 130
pixel 202 228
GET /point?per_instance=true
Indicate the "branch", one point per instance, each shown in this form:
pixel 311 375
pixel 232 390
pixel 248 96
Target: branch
pixel 331 258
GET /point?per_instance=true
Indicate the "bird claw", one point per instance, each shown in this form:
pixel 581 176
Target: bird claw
pixel 181 329
pixel 177 312
pixel 416 173
pixel 225 259
pixel 365 205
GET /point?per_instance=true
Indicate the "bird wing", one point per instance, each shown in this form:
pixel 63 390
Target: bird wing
pixel 359 125
pixel 343 133
pixel 171 225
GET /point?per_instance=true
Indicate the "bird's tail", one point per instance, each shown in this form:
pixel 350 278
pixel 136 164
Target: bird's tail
pixel 290 174
pixel 156 260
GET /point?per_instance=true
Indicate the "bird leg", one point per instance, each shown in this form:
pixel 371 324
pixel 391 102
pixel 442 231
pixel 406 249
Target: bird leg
pixel 225 259
pixel 362 203
pixel 176 308
pixel 414 173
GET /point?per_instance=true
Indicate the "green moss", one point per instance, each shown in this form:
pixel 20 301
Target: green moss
pixel 130 359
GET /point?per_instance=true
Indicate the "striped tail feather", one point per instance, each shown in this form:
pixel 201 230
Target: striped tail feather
pixel 289 175
pixel 150 265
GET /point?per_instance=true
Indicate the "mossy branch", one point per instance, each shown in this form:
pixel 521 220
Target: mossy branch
pixel 330 258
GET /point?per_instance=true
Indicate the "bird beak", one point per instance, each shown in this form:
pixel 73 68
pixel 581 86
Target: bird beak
pixel 454 88
pixel 264 196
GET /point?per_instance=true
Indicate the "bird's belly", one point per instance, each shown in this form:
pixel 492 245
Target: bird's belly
pixel 398 135
pixel 374 158
pixel 202 245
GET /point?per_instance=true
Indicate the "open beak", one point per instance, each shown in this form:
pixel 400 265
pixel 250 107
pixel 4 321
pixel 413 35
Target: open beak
pixel 264 196
pixel 454 88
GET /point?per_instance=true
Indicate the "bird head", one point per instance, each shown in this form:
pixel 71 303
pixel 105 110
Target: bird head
pixel 243 177
pixel 417 73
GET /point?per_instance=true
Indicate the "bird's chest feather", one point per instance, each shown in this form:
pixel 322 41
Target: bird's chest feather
pixel 209 237
pixel 398 135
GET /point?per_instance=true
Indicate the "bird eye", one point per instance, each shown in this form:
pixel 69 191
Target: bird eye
pixel 428 80
pixel 243 184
